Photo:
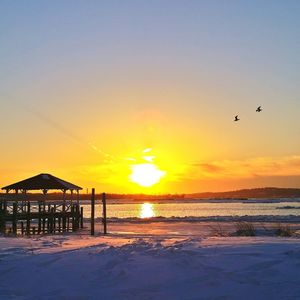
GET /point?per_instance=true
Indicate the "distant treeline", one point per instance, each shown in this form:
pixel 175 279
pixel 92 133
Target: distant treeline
pixel 269 192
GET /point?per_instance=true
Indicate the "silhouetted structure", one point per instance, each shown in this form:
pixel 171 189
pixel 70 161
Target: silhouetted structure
pixel 42 182
pixel 40 216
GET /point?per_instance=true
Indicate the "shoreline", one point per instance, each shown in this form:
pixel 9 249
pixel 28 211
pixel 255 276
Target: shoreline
pixel 178 229
pixel 162 265
pixel 259 218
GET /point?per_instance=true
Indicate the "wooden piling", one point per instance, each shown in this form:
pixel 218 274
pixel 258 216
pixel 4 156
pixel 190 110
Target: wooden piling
pixel 22 228
pixel 68 223
pixel 4 210
pixel 14 220
pixel 104 213
pixel 48 218
pixel 2 216
pixel 54 218
pixel 77 216
pixel 40 220
pixel 73 219
pixel 93 212
pixel 44 217
pixel 59 224
pixel 28 218
pixel 81 217
pixel 64 216
pixel 51 220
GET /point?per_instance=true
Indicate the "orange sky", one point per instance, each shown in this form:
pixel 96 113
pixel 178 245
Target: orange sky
pixel 85 91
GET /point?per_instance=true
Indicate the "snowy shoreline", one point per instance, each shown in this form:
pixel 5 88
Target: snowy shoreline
pixel 261 218
pixel 154 260
pixel 156 267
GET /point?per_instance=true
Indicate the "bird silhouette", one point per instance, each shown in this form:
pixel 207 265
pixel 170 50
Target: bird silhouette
pixel 236 118
pixel 259 109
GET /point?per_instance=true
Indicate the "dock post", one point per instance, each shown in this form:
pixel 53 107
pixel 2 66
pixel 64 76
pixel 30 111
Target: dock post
pixel 2 217
pixel 59 224
pixel 40 220
pixel 28 218
pixel 68 224
pixel 14 221
pixel 48 218
pixel 44 217
pixel 93 212
pixel 51 220
pixel 77 216
pixel 72 218
pixel 65 219
pixel 64 216
pixel 81 217
pixel 4 208
pixel 54 218
pixel 22 228
pixel 104 213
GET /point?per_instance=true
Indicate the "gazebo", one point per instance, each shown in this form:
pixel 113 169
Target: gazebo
pixel 49 217
pixel 42 182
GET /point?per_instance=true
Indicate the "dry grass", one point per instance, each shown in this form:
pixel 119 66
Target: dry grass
pixel 218 230
pixel 244 229
pixel 284 230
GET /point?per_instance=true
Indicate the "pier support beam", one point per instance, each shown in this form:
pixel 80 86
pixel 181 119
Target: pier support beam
pixel 93 212
pixel 104 213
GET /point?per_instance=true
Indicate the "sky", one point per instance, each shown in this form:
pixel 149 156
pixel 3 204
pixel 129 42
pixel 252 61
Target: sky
pixel 117 94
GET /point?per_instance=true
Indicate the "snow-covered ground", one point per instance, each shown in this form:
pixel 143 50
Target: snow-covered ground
pixel 162 263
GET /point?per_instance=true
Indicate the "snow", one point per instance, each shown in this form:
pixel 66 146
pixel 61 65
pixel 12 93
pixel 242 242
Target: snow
pixel 161 263
pixel 246 218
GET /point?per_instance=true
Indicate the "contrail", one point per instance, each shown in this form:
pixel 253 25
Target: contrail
pixel 52 123
pixel 56 125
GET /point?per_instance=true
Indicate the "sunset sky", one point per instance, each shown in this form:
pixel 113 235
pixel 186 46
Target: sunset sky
pixel 105 93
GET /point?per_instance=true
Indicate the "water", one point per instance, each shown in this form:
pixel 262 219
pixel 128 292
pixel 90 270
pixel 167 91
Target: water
pixel 196 209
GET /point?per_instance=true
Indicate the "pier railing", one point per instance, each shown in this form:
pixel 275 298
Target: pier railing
pixel 39 217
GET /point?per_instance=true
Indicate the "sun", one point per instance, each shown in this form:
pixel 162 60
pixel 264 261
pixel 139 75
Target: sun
pixel 146 174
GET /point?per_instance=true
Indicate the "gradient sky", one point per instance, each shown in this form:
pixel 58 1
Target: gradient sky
pixel 86 86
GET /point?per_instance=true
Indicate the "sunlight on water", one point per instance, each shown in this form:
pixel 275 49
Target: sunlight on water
pixel 195 209
pixel 147 211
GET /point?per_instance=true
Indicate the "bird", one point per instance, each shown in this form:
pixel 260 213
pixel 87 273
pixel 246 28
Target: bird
pixel 259 109
pixel 236 118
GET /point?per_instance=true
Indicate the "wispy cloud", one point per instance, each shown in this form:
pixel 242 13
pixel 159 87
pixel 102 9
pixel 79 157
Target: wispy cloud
pixel 198 176
pixel 247 168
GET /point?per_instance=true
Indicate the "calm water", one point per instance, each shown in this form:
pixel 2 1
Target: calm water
pixel 167 210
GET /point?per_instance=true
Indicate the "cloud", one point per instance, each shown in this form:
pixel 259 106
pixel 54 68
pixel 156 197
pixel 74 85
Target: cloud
pixel 248 168
pixel 209 167
pixel 218 175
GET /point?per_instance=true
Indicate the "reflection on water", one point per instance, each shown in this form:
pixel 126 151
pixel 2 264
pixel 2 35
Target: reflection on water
pixel 196 209
pixel 147 210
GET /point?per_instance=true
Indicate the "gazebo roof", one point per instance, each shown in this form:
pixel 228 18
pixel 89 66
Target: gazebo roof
pixel 42 182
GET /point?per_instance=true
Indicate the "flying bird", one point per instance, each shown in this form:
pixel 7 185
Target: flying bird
pixel 259 109
pixel 236 118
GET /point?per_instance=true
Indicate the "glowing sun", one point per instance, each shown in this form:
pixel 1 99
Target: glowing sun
pixel 146 174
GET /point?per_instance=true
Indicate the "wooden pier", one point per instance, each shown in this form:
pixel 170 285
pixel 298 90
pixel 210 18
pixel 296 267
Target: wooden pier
pixel 39 217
